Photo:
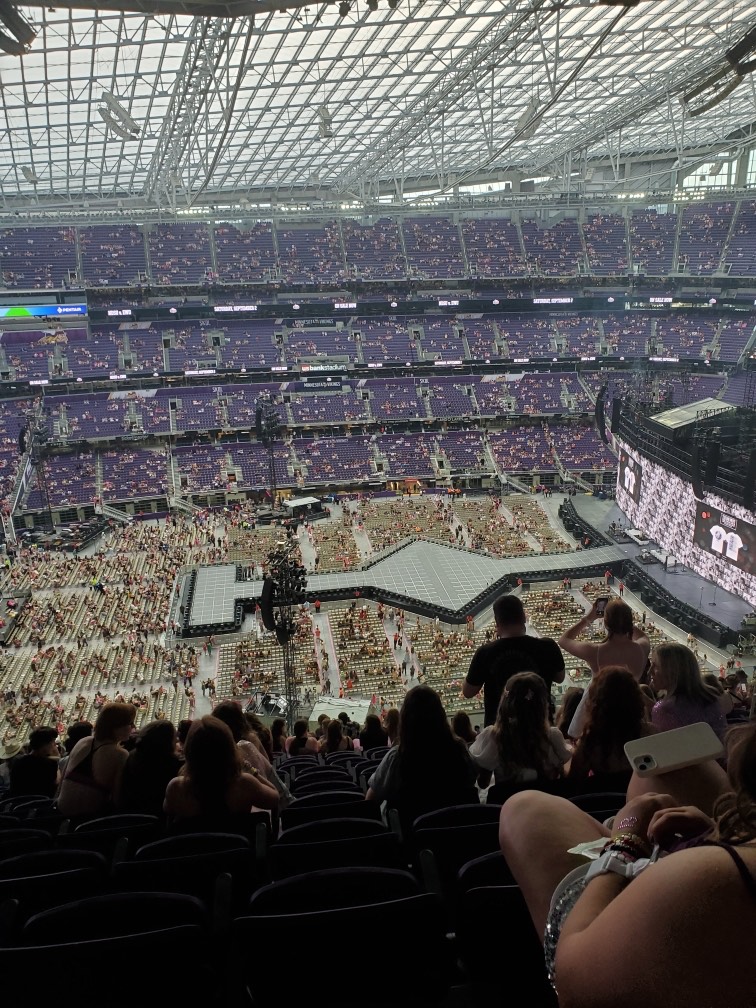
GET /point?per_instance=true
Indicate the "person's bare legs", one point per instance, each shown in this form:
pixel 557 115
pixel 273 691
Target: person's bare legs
pixel 698 785
pixel 535 832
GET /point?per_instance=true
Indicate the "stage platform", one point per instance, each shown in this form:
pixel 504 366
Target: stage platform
pixel 421 576
pixel 689 588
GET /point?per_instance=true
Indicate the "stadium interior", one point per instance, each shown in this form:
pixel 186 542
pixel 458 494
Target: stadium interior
pixel 441 301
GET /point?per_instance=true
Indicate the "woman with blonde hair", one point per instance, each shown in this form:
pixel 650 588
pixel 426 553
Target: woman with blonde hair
pixel 92 779
pixel 624 644
pixel 687 698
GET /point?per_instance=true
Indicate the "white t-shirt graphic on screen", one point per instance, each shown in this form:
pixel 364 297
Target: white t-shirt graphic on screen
pixel 717 538
pixel 629 480
pixel 734 544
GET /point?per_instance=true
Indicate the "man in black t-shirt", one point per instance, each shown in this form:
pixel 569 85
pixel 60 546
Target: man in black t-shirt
pixel 513 651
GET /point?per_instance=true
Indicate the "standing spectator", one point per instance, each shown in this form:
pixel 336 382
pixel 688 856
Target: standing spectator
pixel 513 651
pixel 624 644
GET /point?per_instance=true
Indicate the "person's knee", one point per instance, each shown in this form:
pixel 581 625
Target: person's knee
pixel 519 816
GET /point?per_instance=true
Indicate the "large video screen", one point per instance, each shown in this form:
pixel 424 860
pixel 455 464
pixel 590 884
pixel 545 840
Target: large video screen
pixel 630 475
pixel 715 538
pixel 722 534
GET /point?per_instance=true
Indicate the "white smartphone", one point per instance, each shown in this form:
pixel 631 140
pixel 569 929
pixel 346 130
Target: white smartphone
pixel 672 750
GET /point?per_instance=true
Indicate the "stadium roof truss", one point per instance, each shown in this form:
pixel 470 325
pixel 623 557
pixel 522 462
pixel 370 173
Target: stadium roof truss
pixel 341 103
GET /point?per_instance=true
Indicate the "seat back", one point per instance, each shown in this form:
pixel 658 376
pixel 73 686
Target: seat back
pixel 302 786
pixel 249 825
pixel 600 804
pixel 333 889
pixel 104 834
pixel 458 815
pixel 383 850
pixel 309 808
pixel 495 939
pixel 94 960
pixel 425 983
pixel 441 852
pixel 23 841
pixel 114 915
pixel 341 828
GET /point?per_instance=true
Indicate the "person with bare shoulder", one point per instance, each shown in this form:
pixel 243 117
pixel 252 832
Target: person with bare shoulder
pixel 92 778
pixel 703 884
pixel 212 781
pixel 625 645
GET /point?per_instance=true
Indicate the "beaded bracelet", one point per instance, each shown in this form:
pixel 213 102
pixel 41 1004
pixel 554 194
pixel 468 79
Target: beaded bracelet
pixel 633 840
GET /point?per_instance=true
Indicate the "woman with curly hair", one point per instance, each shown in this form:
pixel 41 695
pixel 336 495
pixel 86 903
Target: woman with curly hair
pixel 521 746
pixel 704 883
pixel 615 714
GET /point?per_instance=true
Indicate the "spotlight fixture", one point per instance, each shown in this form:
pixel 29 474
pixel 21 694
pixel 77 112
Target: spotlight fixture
pixel 344 8
pixel 120 112
pixel 114 126
pixel 29 174
pixel 372 5
pixel 393 4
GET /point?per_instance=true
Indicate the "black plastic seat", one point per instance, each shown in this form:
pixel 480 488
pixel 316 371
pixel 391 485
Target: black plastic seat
pixel 382 850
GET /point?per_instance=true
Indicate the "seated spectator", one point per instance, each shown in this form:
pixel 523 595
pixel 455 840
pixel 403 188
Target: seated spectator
pixel 614 714
pixel 263 733
pixel 320 731
pixel 37 772
pixel 624 644
pixel 702 885
pixel 566 710
pixel 212 781
pixel 335 740
pixel 278 735
pixel 687 698
pixel 462 727
pixel 301 743
pixel 372 735
pixel 92 779
pixel 391 725
pixel 429 767
pixel 153 762
pixel 76 731
pixel 521 746
pixel 181 732
pixel 9 751
pixel 740 707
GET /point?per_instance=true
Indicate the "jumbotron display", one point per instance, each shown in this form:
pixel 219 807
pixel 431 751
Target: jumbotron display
pixel 714 537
